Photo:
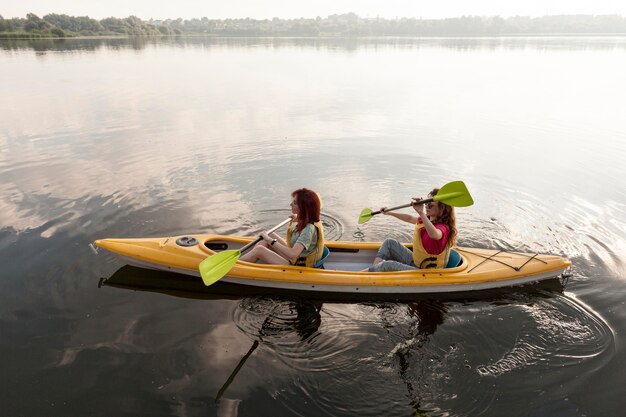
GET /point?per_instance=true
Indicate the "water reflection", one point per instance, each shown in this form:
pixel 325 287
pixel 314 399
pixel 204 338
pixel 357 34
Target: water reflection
pixel 429 315
pixel 306 323
pixel 347 44
pixel 159 137
pixel 556 332
pixel 419 355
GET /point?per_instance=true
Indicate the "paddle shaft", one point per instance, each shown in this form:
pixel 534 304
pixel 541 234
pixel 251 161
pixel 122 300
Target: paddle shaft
pixel 260 238
pixel 231 378
pixel 428 200
pixel 243 360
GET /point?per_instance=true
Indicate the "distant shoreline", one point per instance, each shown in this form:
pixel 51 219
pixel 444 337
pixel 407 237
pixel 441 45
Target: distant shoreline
pixel 347 25
pixel 442 36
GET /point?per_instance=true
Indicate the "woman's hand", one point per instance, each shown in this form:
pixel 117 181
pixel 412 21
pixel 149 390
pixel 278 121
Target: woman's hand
pixel 265 236
pixel 384 211
pixel 419 206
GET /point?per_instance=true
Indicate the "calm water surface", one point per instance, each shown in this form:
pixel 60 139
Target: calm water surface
pixel 117 138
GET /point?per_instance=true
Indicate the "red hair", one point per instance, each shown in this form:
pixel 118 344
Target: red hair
pixel 308 207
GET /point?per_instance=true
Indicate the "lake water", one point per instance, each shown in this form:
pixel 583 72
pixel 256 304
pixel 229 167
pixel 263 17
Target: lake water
pixel 142 138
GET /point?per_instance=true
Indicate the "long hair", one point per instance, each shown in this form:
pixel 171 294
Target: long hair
pixel 308 207
pixel 447 217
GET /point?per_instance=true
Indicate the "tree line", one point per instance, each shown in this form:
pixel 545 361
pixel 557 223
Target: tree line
pixel 349 24
pixel 60 25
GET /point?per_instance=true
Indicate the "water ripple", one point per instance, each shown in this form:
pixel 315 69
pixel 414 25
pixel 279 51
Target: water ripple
pixel 421 351
pixel 555 333
pixel 378 232
pixel 293 330
pixel 583 229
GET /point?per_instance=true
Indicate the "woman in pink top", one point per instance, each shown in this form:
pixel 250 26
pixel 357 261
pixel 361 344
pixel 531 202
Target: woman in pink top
pixel 435 233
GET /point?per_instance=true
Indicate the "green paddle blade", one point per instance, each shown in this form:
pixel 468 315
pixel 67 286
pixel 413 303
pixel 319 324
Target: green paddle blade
pixel 454 194
pixel 216 266
pixel 365 215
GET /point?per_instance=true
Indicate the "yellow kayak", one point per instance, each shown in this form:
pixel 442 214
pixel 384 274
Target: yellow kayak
pixel 479 268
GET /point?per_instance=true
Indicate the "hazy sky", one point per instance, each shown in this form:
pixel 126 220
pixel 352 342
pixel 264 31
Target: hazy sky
pixel 262 9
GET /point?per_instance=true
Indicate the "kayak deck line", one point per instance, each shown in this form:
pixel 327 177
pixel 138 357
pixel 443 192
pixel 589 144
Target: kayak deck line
pixel 491 258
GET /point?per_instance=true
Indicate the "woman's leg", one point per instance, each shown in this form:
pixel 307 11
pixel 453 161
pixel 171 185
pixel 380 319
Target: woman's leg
pixel 392 250
pixel 392 256
pixel 265 255
pixel 389 266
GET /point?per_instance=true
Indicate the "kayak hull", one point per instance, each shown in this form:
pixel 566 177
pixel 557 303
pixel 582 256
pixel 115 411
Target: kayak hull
pixel 481 269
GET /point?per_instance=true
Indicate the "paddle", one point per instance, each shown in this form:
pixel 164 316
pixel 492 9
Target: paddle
pixel 216 266
pixel 231 378
pixel 454 194
pixel 243 360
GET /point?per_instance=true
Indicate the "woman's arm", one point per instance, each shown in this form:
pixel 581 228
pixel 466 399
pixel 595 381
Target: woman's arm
pixel 281 248
pixel 274 235
pixel 401 216
pixel 433 232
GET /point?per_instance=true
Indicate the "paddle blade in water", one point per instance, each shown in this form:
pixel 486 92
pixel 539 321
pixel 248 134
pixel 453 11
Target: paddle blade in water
pixel 365 215
pixel 454 194
pixel 214 267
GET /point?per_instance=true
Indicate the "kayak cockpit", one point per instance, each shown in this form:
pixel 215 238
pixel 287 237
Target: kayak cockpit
pixel 343 256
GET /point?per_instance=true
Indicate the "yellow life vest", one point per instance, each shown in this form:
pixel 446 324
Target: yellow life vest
pixel 313 256
pixel 423 259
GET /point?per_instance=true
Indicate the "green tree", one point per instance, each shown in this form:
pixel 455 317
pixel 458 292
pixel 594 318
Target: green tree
pixel 164 30
pixel 58 32
pixel 35 23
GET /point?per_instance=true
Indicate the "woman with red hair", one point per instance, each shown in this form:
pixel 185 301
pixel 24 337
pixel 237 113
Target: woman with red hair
pixel 304 242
